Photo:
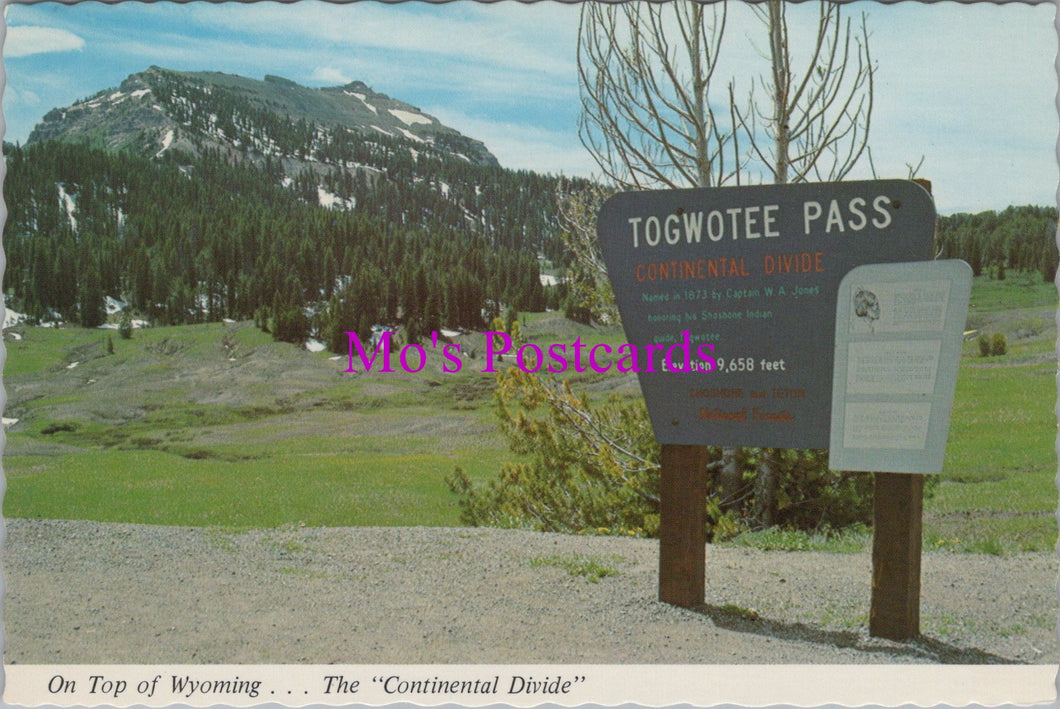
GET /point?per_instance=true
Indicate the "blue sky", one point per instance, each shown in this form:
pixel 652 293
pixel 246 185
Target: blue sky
pixel 970 88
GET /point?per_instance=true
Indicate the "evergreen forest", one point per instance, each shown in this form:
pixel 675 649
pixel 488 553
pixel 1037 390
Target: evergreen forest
pixel 185 239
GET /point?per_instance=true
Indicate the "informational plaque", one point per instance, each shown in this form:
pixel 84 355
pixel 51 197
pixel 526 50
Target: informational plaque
pixel 899 329
pixel 729 295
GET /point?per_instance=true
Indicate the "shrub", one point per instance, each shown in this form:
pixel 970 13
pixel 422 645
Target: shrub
pixel 984 345
pixel 573 480
pixel 125 327
pixel 594 468
pixel 998 345
pixel 58 427
pixel 290 325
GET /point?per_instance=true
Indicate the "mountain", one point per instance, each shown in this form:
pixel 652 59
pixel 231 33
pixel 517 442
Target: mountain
pixel 160 110
pixel 201 196
pixel 347 147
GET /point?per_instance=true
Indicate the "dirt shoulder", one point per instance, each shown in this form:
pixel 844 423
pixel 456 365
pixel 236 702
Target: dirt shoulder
pixel 86 592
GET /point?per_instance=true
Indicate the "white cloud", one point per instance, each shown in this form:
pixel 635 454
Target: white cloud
pixel 25 40
pixel 330 75
pixel 24 97
pixel 504 34
pixel 969 87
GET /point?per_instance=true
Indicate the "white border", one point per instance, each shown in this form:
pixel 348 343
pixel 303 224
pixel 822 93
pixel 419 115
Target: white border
pixel 784 685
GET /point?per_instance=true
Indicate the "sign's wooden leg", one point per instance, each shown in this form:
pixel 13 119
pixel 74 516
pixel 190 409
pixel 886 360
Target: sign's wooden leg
pixel 682 525
pixel 897 511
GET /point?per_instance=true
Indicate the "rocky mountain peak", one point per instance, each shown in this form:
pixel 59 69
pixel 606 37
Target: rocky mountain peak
pixel 160 110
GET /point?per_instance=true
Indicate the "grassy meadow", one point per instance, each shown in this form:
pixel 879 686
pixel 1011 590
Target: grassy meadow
pixel 217 425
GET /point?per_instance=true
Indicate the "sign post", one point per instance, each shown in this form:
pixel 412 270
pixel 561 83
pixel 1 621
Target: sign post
pixel 898 335
pixel 897 518
pixel 730 294
pixel 682 526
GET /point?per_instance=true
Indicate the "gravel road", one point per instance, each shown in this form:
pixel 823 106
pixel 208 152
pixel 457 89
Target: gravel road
pixel 95 593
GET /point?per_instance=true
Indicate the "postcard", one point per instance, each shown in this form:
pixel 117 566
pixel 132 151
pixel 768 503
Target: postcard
pixel 326 362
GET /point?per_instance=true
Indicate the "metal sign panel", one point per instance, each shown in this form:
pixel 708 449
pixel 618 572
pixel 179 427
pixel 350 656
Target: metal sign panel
pixel 745 278
pixel 899 329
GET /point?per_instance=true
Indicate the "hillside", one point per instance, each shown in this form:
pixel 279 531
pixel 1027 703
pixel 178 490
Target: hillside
pixel 159 110
pixel 187 197
pixel 269 468
pixel 190 197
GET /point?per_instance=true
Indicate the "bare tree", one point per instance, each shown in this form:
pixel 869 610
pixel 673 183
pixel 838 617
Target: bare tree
pixel 815 125
pixel 577 208
pixel 646 71
pixel 646 74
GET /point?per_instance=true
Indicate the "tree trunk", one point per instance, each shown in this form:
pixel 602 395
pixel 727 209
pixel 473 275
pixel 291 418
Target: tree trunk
pixel 778 48
pixel 766 489
pixel 729 477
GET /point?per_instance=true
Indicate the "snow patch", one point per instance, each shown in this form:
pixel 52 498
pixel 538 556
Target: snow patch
pixel 71 207
pixel 352 165
pixel 409 118
pixel 167 140
pixel 384 132
pixel 113 305
pixel 315 345
pixel 72 365
pixel 364 100
pixel 8 422
pixel 202 300
pixel 547 280
pixel 327 199
pixel 411 136
pixel 331 201
pixel 140 92
pixel 12 318
pixel 136 324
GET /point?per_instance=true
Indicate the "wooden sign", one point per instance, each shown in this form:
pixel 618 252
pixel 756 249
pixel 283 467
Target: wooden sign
pixel 730 293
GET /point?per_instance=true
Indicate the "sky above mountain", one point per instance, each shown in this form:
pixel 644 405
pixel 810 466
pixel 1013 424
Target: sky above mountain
pixel 969 88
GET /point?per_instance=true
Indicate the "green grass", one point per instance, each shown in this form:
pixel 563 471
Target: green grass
pixel 593 569
pixel 168 430
pixel 1019 290
pixel 844 541
pixel 997 493
pixel 162 433
pixel 44 349
pixel 319 489
pixel 735 611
